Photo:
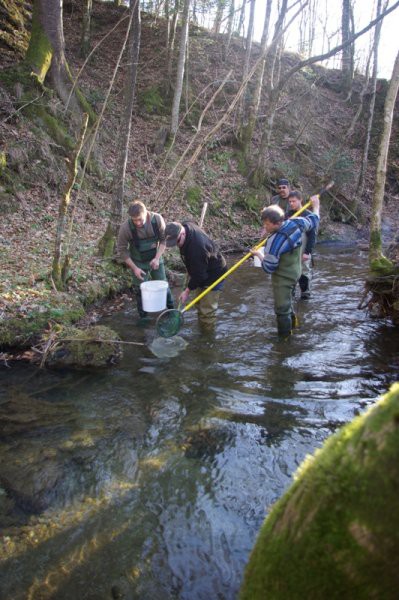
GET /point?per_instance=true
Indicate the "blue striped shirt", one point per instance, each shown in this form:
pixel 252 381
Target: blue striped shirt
pixel 285 239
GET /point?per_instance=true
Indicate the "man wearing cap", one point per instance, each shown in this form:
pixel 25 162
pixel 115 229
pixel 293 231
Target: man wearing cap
pixel 283 190
pixel 282 258
pixel 308 244
pixel 204 263
pixel 140 245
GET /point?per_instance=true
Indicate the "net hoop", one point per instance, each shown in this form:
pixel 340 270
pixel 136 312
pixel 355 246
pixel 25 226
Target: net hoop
pixel 169 322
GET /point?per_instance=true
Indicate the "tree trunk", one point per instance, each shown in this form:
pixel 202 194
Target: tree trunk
pixel 57 271
pixel 180 69
pixel 218 17
pixel 375 255
pixel 108 241
pixel 171 45
pixel 347 52
pixel 85 43
pixel 247 129
pixel 363 166
pixel 334 533
pixel 45 54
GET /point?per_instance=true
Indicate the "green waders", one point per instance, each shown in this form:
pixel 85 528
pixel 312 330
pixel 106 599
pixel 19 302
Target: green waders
pixel 142 251
pixel 283 283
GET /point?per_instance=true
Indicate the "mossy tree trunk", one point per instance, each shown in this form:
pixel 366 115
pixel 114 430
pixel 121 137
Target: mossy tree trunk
pixel 376 258
pixel 335 532
pixel 107 242
pixel 46 52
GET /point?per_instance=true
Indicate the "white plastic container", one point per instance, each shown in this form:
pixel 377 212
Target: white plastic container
pixel 153 295
pixel 257 262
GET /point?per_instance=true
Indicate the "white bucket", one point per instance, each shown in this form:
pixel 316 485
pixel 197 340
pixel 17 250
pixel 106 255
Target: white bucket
pixel 257 262
pixel 153 295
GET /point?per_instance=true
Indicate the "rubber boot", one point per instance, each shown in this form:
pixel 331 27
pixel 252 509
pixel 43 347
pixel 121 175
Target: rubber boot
pixel 143 316
pixel 304 285
pixel 294 320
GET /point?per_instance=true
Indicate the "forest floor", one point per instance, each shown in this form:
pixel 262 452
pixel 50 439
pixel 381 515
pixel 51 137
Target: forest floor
pixel 28 300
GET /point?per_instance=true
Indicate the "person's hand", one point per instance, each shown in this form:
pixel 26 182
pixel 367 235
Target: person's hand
pixel 315 200
pixel 257 253
pixel 305 257
pixel 184 296
pixel 139 273
pixel 154 264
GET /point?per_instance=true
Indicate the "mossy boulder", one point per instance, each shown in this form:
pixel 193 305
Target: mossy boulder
pixel 96 346
pixel 335 533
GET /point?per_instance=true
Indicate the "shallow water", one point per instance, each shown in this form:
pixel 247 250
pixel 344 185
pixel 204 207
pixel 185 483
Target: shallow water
pixel 151 479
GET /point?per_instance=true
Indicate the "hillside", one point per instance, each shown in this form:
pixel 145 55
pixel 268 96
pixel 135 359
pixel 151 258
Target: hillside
pixel 309 147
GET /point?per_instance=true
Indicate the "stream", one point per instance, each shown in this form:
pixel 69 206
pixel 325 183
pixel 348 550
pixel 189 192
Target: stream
pixel 151 479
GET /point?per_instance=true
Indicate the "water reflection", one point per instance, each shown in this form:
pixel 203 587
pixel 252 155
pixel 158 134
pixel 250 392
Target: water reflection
pixel 151 479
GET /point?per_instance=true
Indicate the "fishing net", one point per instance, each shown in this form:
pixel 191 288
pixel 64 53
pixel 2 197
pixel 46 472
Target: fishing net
pixel 169 322
pixel 167 348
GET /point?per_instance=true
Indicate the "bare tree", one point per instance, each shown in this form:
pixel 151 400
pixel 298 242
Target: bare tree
pixel 85 43
pixel 180 69
pixel 347 59
pixel 220 6
pixel 108 240
pixel 171 38
pixel 363 166
pixel 376 257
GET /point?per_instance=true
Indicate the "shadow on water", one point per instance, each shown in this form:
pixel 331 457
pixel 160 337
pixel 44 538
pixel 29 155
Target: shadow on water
pixel 151 479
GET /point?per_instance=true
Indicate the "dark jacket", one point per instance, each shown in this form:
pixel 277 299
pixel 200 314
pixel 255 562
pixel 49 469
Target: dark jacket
pixel 204 262
pixel 310 236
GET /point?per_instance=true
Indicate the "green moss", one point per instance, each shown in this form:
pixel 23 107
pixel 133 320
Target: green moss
pixel 335 533
pixel 3 163
pixel 193 198
pixel 152 101
pixel 22 331
pixel 383 267
pixel 93 347
pixel 40 51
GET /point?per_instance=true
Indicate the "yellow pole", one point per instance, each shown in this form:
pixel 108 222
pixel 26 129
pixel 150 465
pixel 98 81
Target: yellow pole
pixel 237 264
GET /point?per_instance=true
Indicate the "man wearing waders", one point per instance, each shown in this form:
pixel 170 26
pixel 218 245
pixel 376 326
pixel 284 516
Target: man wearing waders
pixel 308 244
pixel 140 245
pixel 282 258
pixel 204 263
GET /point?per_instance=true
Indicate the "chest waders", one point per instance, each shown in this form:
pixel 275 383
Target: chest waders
pixel 283 283
pixel 142 251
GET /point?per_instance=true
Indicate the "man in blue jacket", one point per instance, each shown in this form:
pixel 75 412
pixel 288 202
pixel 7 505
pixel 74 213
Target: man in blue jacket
pixel 204 263
pixel 282 258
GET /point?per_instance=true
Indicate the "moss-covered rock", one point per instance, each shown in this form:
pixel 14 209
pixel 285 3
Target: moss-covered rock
pixel 93 347
pixel 23 330
pixel 335 533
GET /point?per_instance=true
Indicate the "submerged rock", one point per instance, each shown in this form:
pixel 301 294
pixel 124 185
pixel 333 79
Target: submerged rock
pixel 335 533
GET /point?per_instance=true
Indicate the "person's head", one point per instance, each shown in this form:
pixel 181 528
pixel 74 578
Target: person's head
pixel 138 213
pixel 175 234
pixel 295 200
pixel 272 218
pixel 283 188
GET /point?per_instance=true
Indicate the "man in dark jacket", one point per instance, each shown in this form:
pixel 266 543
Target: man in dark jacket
pixel 204 263
pixel 308 244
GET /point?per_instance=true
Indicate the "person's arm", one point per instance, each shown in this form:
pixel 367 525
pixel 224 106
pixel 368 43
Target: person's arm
pixel 122 246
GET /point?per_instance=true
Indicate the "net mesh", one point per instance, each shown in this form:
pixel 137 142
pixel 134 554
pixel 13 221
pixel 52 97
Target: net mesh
pixel 168 348
pixel 169 322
